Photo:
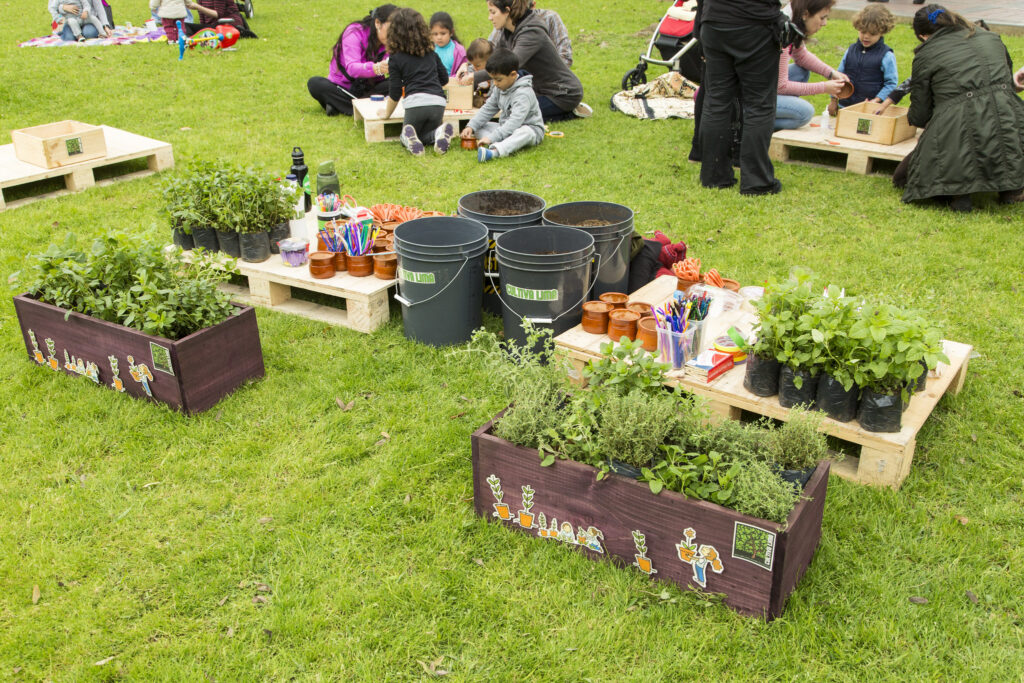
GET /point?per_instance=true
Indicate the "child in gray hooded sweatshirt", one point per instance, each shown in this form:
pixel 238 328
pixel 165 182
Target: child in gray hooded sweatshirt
pixel 521 124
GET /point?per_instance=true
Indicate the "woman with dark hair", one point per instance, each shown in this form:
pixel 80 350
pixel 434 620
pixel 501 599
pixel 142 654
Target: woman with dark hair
pixel 809 17
pixel 359 65
pixel 962 94
pixel 558 90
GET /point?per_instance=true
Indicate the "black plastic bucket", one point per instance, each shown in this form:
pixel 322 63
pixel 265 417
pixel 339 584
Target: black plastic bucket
pixel 499 210
pixel 440 278
pixel 545 275
pixel 611 226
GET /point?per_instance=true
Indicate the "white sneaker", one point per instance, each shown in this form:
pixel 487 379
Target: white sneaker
pixel 443 137
pixel 583 110
pixel 412 143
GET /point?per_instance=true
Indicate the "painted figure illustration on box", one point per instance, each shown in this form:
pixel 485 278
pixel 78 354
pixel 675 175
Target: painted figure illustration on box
pixel 701 558
pixel 141 374
pixel 80 367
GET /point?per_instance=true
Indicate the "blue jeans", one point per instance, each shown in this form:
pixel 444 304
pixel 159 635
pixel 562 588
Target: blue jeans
pixel 88 31
pixel 792 111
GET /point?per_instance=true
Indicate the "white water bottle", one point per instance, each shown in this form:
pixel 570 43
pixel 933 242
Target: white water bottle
pixel 826 120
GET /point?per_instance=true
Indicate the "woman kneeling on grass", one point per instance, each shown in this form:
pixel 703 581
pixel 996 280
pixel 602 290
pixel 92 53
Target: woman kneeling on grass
pixel 359 65
pixel 962 94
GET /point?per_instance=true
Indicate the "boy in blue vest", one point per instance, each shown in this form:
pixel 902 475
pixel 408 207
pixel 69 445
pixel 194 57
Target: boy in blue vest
pixel 869 62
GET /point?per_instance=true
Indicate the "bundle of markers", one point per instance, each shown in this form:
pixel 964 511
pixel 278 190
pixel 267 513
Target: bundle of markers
pixel 699 306
pixel 673 316
pixel 355 237
pixel 328 202
pixel 673 321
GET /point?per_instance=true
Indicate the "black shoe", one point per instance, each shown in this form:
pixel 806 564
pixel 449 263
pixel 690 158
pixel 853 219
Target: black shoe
pixel 1011 196
pixel 961 203
pixel 723 186
pixel 774 188
pixel 331 111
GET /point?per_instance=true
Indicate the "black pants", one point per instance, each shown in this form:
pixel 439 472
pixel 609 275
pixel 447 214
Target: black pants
pixel 329 93
pixel 738 59
pixel 425 120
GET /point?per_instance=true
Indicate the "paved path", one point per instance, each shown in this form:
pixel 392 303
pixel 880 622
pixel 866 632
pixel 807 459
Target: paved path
pixel 1004 16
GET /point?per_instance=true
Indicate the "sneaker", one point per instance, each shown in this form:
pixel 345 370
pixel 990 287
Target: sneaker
pixel 1011 196
pixel 583 110
pixel 486 154
pixel 411 141
pixel 774 188
pixel 443 138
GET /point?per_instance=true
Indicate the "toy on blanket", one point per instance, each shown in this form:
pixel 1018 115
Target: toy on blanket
pixel 217 39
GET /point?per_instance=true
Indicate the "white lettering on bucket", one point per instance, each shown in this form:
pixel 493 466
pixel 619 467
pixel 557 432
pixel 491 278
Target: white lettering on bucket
pixel 532 294
pixel 418 278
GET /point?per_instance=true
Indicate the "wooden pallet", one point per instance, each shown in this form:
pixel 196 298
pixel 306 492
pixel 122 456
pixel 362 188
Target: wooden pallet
pixel 377 129
pixel 859 155
pixel 121 146
pixel 270 284
pixel 884 458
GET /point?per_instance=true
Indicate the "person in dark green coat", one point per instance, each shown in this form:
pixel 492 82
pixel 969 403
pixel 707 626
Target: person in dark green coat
pixel 962 94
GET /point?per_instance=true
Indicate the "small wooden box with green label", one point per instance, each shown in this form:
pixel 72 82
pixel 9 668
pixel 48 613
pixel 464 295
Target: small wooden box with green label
pixel 859 122
pixel 458 96
pixel 64 143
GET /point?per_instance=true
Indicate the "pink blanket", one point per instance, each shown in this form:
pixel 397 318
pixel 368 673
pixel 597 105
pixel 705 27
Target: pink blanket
pixel 123 35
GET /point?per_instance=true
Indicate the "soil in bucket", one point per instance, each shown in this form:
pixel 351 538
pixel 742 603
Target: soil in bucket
pixel 499 210
pixel 440 278
pixel 545 272
pixel 611 226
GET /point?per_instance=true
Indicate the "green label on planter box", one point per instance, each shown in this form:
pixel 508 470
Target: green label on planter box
pixel 74 146
pixel 864 126
pixel 161 358
pixel 418 278
pixel 753 544
pixel 531 294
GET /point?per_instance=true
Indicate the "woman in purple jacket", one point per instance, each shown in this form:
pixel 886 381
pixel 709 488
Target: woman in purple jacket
pixel 359 65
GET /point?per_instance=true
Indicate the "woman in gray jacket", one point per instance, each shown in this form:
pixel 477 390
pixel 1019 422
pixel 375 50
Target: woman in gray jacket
pixel 559 92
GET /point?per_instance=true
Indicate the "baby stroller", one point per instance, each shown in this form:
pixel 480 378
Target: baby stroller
pixel 245 7
pixel 676 44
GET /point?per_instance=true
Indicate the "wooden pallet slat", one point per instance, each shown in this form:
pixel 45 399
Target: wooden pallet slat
pixel 860 155
pixel 121 146
pixel 376 129
pixel 885 458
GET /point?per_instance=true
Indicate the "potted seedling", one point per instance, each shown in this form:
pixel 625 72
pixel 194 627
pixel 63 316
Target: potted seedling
pixel 643 563
pixel 525 516
pixel 838 394
pixel 501 510
pixel 125 305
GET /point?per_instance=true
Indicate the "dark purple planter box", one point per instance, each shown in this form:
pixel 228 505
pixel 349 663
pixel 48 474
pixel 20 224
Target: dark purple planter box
pixel 190 374
pixel 754 563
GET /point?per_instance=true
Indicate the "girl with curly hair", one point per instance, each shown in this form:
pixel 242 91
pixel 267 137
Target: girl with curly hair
pixel 416 67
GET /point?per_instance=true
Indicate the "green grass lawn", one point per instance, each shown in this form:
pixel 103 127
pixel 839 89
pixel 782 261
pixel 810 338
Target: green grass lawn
pixel 279 537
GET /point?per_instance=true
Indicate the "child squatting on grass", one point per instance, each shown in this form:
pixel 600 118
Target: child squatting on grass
pixel 415 67
pixel 869 62
pixel 521 124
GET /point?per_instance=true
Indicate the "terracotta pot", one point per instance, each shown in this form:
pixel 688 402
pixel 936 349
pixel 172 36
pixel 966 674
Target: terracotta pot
pixel 385 266
pixel 647 332
pixel 321 264
pixel 360 266
pixel 390 226
pixel 731 285
pixel 340 264
pixel 433 213
pixel 616 299
pixel 380 244
pixel 468 143
pixel 622 323
pixel 641 307
pixel 684 285
pixel 595 317
pixel 845 91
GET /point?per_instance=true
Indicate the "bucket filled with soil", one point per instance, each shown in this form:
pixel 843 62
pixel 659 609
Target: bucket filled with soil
pixel 499 210
pixel 545 275
pixel 611 226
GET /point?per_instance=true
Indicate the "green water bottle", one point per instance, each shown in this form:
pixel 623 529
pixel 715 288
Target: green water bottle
pixel 327 179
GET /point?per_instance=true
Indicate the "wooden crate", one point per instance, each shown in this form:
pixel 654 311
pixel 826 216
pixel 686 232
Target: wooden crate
pixel 859 122
pixel 59 144
pixel 121 146
pixel 884 459
pixel 377 129
pixel 189 374
pixel 564 503
pixel 458 96
pixel 859 154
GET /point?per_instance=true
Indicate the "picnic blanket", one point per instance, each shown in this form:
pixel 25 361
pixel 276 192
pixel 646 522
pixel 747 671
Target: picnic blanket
pixel 123 35
pixel 667 96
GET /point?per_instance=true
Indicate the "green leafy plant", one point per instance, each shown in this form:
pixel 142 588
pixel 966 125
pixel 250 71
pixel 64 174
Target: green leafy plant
pixel 758 491
pixel 132 283
pixel 625 368
pixel 705 476
pixel 784 327
pixel 632 426
pixel 797 444
pixel 833 315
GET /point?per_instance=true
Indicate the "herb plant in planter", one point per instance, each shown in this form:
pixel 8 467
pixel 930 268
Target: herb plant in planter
pixel 188 205
pixel 838 394
pixel 753 551
pixel 132 317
